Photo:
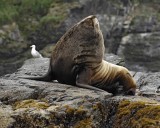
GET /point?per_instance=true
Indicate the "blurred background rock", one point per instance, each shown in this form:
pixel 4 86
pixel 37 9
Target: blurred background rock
pixel 131 29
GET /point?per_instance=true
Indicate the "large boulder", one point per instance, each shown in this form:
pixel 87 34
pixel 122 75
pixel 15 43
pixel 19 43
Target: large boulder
pixel 149 85
pixel 140 47
pixel 12 44
pixel 29 103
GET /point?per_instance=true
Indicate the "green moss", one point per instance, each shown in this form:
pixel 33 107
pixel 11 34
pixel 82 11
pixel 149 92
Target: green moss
pixel 55 20
pixel 13 10
pixel 34 7
pixel 28 13
pixel 137 114
pixel 10 10
pixel 57 13
pixel 86 123
pixel 8 15
pixel 31 104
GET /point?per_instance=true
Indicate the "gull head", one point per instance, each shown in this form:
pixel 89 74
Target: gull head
pixel 32 46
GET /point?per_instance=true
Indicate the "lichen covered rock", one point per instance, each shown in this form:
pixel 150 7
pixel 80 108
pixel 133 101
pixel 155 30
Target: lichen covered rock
pixel 137 114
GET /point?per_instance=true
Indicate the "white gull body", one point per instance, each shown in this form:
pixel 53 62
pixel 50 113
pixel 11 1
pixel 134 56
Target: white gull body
pixel 35 53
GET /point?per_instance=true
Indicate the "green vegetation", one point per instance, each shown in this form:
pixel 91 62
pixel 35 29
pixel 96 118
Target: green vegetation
pixel 57 13
pixel 33 16
pixel 13 10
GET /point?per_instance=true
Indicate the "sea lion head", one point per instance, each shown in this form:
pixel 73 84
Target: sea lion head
pixel 88 32
pixel 82 43
pixel 90 27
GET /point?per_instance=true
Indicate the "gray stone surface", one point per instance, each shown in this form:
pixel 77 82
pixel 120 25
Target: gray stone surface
pixel 141 51
pixel 149 85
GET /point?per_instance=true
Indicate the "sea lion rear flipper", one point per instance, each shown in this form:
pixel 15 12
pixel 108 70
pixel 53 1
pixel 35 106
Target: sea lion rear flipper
pixel 83 80
pixel 47 77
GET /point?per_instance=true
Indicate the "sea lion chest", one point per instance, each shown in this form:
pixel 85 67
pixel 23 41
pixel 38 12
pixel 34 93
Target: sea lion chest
pixel 105 74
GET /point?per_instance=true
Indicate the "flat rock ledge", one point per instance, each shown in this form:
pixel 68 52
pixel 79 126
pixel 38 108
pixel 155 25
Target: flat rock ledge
pixel 34 104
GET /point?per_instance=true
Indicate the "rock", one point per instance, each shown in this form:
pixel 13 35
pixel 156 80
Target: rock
pixel 29 103
pixel 144 24
pixel 114 59
pixel 141 51
pixel 149 85
pixel 1 41
pixel 5 116
pixel 110 15
pixel 12 47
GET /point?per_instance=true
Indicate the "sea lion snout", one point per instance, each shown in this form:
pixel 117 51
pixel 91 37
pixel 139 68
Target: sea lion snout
pixel 94 20
pixel 91 21
pixel 131 91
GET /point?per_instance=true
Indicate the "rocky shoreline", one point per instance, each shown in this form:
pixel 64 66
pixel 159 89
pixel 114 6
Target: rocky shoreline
pixel 28 103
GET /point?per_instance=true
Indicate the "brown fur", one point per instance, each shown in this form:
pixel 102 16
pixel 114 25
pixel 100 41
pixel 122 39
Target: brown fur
pixel 77 60
pixel 108 74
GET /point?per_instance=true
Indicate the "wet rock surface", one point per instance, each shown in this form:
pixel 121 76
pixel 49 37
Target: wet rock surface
pixel 28 103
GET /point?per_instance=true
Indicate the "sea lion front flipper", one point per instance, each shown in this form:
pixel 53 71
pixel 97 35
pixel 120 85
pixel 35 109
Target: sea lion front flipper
pixel 125 79
pixel 83 80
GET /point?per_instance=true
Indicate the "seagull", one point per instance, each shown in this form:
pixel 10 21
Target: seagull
pixel 35 53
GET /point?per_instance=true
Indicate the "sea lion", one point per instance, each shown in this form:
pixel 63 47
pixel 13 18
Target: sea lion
pixel 77 59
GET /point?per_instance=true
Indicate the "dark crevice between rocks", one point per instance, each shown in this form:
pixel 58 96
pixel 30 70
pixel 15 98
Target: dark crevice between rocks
pixel 112 107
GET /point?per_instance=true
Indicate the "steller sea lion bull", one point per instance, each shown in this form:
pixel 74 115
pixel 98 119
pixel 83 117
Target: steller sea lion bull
pixel 77 59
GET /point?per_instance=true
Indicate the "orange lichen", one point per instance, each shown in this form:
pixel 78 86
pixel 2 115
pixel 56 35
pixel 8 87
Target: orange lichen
pixel 85 123
pixel 30 104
